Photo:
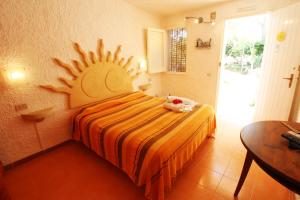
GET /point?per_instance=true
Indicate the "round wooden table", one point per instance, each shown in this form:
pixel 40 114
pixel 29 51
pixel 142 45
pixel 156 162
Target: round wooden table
pixel 270 151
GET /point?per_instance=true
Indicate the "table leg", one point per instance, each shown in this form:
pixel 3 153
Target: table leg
pixel 246 167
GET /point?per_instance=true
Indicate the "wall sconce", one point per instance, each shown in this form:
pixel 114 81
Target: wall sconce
pixel 200 20
pixel 142 66
pixel 16 75
pixel 13 75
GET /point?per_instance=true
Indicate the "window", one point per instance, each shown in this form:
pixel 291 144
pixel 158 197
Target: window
pixel 177 50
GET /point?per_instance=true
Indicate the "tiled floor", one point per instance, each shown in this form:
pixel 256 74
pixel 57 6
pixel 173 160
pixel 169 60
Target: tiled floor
pixel 211 175
pixel 216 170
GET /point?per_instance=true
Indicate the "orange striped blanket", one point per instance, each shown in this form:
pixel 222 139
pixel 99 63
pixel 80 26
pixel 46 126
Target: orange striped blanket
pixel 138 135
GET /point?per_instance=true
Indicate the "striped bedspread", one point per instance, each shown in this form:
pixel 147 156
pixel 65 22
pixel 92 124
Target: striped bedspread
pixel 138 135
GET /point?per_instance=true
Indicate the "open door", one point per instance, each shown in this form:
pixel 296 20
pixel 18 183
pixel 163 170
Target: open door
pixel 280 65
pixel 156 50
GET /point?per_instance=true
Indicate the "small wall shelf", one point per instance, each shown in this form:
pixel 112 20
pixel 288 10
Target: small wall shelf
pixel 37 116
pixel 145 87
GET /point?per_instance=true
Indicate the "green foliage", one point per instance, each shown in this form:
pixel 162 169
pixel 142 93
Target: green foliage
pixel 229 47
pixel 259 48
pixel 257 61
pixel 247 54
pixel 236 48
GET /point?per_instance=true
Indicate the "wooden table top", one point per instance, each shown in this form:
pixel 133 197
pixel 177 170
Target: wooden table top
pixel 270 150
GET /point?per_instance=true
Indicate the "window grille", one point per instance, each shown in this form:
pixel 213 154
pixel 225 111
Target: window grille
pixel 177 50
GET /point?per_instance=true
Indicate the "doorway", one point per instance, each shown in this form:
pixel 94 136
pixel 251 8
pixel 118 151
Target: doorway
pixel 243 48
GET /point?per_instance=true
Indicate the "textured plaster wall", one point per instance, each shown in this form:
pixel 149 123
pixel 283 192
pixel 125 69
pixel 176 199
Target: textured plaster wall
pixel 33 31
pixel 201 80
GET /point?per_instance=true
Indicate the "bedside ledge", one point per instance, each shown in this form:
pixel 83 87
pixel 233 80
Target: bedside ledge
pixel 37 116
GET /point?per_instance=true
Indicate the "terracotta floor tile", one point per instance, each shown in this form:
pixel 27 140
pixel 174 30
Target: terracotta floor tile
pixel 84 176
pixel 217 164
pixel 240 154
pixel 227 187
pixel 221 152
pixel 234 169
pixel 218 197
pixel 195 193
pixel 266 188
pixel 292 196
pixel 268 193
pixel 210 180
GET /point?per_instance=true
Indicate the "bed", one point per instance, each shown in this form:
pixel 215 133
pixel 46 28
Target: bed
pixel 131 130
pixel 137 134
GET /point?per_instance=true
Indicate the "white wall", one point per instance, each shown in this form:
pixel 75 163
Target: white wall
pixel 201 80
pixel 31 33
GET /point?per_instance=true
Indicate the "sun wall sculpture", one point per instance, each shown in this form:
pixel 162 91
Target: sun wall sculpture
pixel 95 77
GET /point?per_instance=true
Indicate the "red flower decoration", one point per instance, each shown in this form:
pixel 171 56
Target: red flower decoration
pixel 177 101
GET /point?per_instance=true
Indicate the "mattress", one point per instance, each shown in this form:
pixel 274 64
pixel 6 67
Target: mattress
pixel 137 134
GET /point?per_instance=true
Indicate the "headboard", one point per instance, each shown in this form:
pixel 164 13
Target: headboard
pixel 95 77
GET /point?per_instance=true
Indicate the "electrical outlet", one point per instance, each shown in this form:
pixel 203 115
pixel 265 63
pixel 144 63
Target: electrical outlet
pixel 21 107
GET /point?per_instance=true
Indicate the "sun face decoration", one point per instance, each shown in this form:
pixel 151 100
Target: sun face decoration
pixel 95 78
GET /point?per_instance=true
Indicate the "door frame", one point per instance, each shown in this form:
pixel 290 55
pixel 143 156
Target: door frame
pixel 295 109
pixel 222 48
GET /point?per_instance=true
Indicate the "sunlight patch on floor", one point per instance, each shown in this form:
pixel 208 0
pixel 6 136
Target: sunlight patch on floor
pixel 237 97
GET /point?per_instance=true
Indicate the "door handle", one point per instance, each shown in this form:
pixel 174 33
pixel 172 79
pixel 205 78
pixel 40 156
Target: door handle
pixel 290 79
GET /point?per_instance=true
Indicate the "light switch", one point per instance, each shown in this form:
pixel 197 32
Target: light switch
pixel 21 107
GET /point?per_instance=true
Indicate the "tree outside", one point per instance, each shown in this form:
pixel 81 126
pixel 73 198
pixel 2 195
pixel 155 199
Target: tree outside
pixel 244 47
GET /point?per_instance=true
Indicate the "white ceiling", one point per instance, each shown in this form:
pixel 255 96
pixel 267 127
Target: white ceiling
pixel 169 7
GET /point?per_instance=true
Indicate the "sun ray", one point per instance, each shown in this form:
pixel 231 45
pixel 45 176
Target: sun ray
pixel 81 53
pixel 69 83
pixel 78 66
pixel 92 57
pixel 57 89
pixel 66 66
pixel 101 50
pixel 117 53
pixel 126 66
pixel 121 62
pixel 108 57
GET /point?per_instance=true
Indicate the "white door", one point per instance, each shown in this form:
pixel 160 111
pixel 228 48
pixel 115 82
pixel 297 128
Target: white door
pixel 280 65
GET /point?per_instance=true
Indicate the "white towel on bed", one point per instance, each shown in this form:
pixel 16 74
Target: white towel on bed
pixel 178 107
pixel 187 105
pixel 184 100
